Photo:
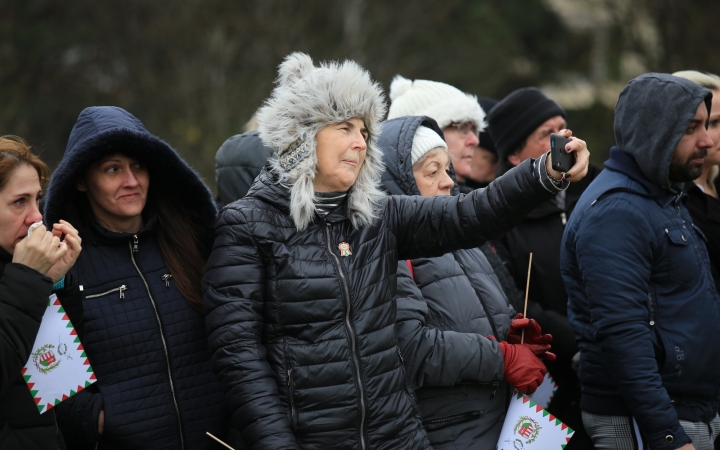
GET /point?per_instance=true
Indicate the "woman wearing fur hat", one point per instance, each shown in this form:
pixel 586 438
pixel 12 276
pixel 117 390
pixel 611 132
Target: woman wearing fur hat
pixel 146 221
pixel 454 323
pixel 299 286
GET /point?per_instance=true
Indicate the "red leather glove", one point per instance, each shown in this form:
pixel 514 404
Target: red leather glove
pixel 522 368
pixel 539 343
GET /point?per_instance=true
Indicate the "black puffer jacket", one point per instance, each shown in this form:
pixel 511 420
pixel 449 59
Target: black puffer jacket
pixel 238 161
pixel 303 338
pixel 443 318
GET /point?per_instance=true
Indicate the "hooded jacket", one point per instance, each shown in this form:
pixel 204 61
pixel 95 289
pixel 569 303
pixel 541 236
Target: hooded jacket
pixel 238 161
pixel 146 343
pixel 444 313
pixel 641 296
pixel 302 323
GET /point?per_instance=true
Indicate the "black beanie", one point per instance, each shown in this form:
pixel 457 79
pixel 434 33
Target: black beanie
pixel 516 116
pixel 486 141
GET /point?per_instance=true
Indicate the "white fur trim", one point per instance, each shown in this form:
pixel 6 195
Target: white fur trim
pixel 305 100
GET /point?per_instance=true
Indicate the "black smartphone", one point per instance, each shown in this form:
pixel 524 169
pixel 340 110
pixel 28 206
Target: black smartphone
pixel 561 161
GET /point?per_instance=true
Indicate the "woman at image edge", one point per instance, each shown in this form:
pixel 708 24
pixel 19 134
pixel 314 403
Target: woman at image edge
pixel 300 283
pixel 146 219
pixel 32 268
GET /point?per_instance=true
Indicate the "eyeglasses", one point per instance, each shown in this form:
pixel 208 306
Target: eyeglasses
pixel 465 128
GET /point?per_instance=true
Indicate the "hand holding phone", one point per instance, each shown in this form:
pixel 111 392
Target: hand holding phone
pixel 561 160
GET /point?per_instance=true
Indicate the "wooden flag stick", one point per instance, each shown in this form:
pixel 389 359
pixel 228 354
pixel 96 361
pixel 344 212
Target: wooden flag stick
pixel 221 442
pixel 527 290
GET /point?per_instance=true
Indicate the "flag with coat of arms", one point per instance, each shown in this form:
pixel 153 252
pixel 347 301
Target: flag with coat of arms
pixel 58 367
pixel 529 426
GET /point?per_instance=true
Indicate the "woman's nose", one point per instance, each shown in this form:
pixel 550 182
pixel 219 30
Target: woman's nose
pixel 34 215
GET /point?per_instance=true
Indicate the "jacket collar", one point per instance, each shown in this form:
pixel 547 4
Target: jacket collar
pixel 105 236
pixel 268 189
pixel 5 257
pixel 624 163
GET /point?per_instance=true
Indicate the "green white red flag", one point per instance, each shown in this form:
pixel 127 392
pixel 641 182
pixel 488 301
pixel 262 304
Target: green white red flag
pixel 58 367
pixel 528 426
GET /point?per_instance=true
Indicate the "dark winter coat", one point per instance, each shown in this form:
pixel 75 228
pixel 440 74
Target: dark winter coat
pixel 145 342
pixel 705 212
pixel 641 296
pixel 238 161
pixel 445 310
pixel 24 296
pixel 303 338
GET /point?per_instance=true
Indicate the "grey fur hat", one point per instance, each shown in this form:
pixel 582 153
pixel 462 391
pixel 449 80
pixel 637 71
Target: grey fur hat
pixel 306 99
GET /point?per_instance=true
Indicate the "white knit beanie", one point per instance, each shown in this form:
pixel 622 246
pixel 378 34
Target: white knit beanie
pixel 425 140
pixel 444 103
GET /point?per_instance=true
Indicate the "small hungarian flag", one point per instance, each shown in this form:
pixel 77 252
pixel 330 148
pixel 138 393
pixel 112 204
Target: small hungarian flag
pixel 58 367
pixel 528 426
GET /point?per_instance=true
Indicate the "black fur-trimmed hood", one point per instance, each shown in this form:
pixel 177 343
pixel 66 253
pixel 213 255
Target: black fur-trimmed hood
pixel 103 130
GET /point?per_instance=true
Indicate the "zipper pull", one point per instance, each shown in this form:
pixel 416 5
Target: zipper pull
pixel 135 243
pixel 495 386
pixel 563 218
pixel 289 374
pixel 123 288
pixel 166 279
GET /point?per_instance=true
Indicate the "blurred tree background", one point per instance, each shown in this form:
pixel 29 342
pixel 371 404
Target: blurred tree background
pixel 194 71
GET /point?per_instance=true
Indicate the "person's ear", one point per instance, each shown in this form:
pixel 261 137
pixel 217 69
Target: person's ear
pixel 81 186
pixel 514 159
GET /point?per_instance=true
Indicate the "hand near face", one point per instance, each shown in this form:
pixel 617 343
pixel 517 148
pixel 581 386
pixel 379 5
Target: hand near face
pixel 72 241
pixel 582 159
pixel 40 251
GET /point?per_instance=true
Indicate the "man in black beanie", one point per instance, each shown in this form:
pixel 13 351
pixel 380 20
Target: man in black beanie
pixel 520 126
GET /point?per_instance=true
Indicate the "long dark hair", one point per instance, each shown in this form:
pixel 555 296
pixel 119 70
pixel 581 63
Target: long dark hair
pixel 184 245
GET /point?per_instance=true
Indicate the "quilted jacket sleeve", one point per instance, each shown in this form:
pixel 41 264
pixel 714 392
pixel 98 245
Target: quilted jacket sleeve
pixel 23 299
pixel 234 288
pixel 434 357
pixel 433 226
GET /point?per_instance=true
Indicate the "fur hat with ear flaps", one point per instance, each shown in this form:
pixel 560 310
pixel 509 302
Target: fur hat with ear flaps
pixel 306 99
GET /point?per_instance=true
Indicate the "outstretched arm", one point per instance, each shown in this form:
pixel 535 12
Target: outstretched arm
pixel 432 226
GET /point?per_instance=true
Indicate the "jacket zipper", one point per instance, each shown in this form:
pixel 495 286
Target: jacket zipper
pixel 120 289
pixel 482 301
pixel 351 334
pixel 563 218
pixel 291 394
pixel 166 279
pixel 133 249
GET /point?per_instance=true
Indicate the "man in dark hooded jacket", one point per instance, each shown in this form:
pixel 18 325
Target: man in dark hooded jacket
pixel 641 296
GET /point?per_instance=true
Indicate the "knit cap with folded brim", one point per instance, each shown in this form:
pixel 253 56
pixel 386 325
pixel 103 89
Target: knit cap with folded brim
pixel 516 116
pixel 425 140
pixel 442 102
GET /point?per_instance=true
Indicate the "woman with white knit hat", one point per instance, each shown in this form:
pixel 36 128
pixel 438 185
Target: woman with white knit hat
pixel 299 286
pixel 458 114
pixel 454 323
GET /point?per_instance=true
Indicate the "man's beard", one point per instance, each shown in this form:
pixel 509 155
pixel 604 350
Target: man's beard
pixel 683 171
